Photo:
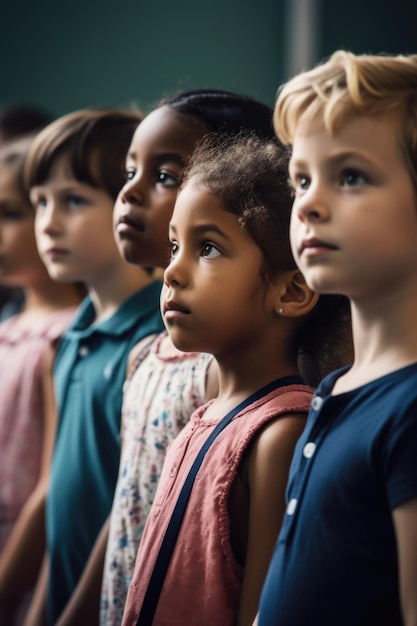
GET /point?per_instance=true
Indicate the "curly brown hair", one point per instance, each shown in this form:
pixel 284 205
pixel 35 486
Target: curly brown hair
pixel 249 176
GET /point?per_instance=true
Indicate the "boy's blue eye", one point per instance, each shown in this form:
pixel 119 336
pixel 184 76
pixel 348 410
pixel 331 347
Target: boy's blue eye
pixel 352 179
pixel 303 182
pixel 75 201
pixel 130 173
pixel 39 203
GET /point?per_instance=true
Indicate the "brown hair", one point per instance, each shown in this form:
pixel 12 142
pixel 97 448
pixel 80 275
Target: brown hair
pixel 95 143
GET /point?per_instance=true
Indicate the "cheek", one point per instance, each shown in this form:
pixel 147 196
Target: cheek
pixel 117 210
pixel 294 224
pixel 163 295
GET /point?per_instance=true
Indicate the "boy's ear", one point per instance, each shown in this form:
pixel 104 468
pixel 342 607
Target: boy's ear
pixel 294 298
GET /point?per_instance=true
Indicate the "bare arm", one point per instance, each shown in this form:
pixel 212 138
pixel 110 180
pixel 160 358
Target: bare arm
pixel 22 556
pixel 267 473
pixel 405 523
pixel 36 615
pixel 84 604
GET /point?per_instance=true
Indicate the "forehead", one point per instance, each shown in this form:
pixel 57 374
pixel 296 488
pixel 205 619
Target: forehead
pixel 59 172
pixel 197 205
pixel 373 137
pixel 167 131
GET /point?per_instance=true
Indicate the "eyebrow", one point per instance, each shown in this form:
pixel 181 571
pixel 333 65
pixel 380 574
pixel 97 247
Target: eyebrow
pixel 72 187
pixel 335 159
pixel 203 229
pixel 163 157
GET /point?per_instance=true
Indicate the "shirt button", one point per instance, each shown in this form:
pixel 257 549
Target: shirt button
pixel 309 449
pixel 82 351
pixel 292 505
pixel 316 403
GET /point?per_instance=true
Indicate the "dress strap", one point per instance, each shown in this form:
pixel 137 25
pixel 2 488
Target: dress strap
pixel 163 559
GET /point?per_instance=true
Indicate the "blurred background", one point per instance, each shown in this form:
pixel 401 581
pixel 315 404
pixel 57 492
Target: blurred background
pixel 63 56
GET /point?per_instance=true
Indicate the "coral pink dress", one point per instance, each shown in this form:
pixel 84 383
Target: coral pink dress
pixel 203 582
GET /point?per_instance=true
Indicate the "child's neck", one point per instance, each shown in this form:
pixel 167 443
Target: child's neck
pixel 42 300
pixel 385 340
pixel 111 292
pixel 241 379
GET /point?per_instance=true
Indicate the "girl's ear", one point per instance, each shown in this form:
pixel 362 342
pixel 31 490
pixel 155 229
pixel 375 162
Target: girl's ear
pixel 294 298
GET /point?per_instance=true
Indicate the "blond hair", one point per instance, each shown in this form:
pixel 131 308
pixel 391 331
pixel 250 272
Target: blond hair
pixel 348 85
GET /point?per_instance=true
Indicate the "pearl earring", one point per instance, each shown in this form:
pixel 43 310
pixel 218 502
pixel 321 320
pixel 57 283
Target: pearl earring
pixel 281 310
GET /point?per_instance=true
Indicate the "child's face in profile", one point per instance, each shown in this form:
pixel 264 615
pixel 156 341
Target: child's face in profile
pixel 214 299
pixel 160 149
pixel 74 229
pixel 19 260
pixel 354 218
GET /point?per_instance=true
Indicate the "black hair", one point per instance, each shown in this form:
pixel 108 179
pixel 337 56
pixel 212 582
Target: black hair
pixel 224 112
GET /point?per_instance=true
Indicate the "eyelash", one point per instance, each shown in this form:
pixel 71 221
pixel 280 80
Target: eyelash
pixel 161 177
pixel 205 248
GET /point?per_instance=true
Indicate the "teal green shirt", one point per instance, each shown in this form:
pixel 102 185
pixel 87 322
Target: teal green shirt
pixel 89 371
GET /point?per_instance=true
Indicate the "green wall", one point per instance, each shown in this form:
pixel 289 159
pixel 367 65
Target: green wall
pixel 79 53
pixel 68 55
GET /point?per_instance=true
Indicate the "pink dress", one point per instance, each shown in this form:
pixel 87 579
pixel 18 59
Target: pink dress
pixel 21 410
pixel 203 582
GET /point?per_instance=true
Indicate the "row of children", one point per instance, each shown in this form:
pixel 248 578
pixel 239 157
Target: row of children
pixel 231 379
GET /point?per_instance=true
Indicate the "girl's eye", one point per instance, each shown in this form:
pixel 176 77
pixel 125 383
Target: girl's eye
pixel 167 180
pixel 130 173
pixel 173 249
pixel 351 178
pixel 210 251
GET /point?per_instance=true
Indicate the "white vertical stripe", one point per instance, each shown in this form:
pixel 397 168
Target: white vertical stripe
pixel 302 35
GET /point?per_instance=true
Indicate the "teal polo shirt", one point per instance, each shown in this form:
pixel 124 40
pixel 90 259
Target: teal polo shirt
pixel 89 372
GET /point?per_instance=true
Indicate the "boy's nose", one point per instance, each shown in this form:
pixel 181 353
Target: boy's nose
pixel 48 220
pixel 312 206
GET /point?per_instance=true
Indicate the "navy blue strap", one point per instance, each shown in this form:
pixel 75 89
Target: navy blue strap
pixel 168 543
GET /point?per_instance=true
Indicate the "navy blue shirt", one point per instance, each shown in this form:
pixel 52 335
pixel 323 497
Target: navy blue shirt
pixel 335 562
pixel 89 372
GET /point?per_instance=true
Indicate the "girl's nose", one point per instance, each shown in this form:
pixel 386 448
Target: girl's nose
pixel 132 191
pixel 175 274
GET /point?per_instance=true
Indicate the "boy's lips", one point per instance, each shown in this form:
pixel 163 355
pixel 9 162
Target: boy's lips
pixel 57 252
pixel 314 245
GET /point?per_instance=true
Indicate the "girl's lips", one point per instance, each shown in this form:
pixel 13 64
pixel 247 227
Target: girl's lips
pixel 174 310
pixel 125 224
